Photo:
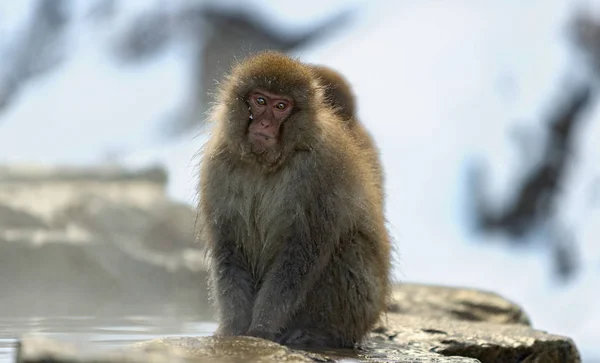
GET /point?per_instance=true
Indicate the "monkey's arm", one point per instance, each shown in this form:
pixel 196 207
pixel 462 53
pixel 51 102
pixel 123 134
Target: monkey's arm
pixel 233 285
pixel 308 245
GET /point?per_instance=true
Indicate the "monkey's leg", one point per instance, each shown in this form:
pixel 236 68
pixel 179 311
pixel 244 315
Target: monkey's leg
pixel 285 285
pixel 344 303
pixel 233 287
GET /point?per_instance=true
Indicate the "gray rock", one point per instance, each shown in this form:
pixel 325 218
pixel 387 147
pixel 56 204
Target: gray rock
pixel 221 350
pixel 487 342
pixel 226 349
pixel 403 339
pixel 105 173
pixel 11 218
pixel 455 303
pixel 39 349
pixel 98 241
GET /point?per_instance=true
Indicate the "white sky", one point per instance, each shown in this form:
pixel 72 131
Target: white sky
pixel 438 84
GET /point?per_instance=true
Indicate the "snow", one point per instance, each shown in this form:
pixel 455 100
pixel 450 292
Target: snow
pixel 439 84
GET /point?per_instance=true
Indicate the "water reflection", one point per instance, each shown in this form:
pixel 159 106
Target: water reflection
pixel 107 332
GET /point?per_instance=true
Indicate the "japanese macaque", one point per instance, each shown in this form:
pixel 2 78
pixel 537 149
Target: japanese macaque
pixel 339 95
pixel 291 212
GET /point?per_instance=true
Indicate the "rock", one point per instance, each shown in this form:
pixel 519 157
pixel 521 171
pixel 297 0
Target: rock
pixel 468 323
pixel 96 241
pixel 39 349
pixel 455 303
pixel 211 349
pixel 11 217
pixel 403 339
pixel 225 349
pixel 487 342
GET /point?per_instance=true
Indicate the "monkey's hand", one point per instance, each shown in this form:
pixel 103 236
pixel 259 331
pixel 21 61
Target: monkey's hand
pixel 232 284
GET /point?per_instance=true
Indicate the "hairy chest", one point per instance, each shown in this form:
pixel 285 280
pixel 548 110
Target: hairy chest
pixel 255 208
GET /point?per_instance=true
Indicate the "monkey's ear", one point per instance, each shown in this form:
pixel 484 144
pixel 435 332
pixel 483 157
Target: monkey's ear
pixel 246 101
pixel 239 111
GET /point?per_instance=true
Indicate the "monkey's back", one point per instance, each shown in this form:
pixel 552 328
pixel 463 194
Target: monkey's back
pixel 340 97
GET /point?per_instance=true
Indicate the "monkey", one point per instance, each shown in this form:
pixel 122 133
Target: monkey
pixel 340 97
pixel 338 93
pixel 298 249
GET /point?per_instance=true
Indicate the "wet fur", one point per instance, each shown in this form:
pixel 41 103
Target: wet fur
pixel 299 251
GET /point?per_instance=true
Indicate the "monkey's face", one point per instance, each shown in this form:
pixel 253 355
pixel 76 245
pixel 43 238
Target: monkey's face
pixel 268 109
pixel 268 112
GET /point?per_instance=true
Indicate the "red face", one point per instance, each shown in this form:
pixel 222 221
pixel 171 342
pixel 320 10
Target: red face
pixel 268 112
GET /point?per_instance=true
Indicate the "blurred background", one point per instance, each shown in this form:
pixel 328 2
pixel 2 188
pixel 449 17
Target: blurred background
pixel 486 115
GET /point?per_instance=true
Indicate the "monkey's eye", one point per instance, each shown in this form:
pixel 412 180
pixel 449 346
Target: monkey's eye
pixel 261 101
pixel 281 106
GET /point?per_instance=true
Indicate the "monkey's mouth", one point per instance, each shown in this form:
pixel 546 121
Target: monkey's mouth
pixel 262 136
pixel 262 141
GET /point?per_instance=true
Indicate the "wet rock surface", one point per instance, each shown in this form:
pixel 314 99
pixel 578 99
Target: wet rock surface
pixel 221 350
pixel 403 338
pixel 484 341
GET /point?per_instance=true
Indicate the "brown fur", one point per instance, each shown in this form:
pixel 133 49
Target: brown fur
pixel 299 250
pixel 338 92
pixel 339 96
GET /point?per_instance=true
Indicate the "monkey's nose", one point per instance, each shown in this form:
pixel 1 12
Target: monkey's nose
pixel 265 122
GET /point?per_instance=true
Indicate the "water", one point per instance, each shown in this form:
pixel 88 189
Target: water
pixel 106 332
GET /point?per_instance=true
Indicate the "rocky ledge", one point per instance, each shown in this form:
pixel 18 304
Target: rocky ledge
pixel 424 324
pixel 104 240
pixel 96 241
